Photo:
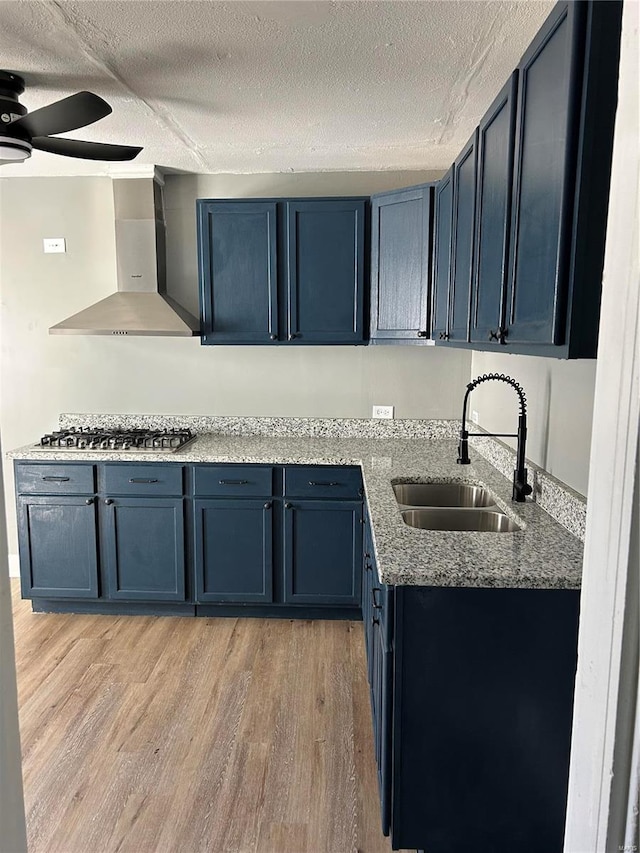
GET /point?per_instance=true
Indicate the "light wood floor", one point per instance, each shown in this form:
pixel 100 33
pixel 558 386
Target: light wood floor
pixel 176 735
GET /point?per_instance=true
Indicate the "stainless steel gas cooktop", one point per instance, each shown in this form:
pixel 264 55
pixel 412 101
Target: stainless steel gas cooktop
pixel 116 440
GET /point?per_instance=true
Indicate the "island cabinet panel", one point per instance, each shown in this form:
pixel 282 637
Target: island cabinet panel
pixel 144 548
pixel 234 550
pixel 444 195
pixel 282 271
pixel 493 216
pixel 482 713
pixel 322 552
pixel 58 546
pixel 462 241
pixel 238 271
pixel 325 271
pixel 401 225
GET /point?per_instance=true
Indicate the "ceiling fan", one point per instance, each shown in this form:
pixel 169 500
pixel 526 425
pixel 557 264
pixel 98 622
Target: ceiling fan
pixel 21 131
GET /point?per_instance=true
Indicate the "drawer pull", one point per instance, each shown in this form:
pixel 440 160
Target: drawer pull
pixel 108 501
pixel 56 479
pixel 267 505
pixel 89 501
pixel 233 482
pixel 143 480
pixel 322 483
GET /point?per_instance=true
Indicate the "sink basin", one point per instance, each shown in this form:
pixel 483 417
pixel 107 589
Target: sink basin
pixel 442 495
pixel 480 521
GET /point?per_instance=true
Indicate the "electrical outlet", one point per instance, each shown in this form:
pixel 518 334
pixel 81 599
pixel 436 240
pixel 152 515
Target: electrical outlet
pixel 54 244
pixel 475 417
pixel 382 412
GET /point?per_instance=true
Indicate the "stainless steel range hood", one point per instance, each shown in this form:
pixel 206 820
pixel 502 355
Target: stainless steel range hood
pixel 141 305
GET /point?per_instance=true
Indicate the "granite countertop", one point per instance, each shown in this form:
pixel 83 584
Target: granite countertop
pixel 542 555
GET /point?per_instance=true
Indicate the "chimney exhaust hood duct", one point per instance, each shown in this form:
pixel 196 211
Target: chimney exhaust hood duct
pixel 141 305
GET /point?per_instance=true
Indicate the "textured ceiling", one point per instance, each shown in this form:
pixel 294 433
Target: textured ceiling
pixel 269 86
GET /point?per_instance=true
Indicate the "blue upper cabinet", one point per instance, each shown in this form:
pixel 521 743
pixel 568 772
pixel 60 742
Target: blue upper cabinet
pixel 325 271
pixel 464 207
pixel 442 255
pixel 282 271
pixel 238 271
pixel 544 160
pixel 493 212
pixel 400 265
pixel 548 107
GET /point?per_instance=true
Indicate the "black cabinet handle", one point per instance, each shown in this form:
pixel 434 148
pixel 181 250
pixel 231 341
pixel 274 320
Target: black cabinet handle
pixel 267 505
pixel 322 483
pixel 292 336
pixel 108 501
pixel 493 336
pixel 373 596
pixel 89 501
pixel 273 337
pixel 444 336
pixel 288 506
pixel 142 480
pixel 56 479
pixel 422 334
pixel 233 482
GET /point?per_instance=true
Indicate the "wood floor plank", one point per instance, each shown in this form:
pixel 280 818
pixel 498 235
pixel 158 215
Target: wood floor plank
pixel 209 735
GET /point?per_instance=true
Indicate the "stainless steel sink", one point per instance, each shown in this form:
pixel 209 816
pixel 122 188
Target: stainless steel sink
pixel 442 495
pixel 480 521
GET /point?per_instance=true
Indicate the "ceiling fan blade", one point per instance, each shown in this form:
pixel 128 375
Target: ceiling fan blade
pixel 70 113
pixel 85 150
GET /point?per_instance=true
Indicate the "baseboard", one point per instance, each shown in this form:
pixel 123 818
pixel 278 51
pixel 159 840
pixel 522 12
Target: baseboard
pixel 14 566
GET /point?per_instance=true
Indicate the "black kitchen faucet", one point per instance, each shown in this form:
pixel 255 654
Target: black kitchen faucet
pixel 520 486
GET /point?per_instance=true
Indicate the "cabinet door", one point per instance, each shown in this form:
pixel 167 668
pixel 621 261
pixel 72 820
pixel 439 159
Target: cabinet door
pixel 544 179
pixel 144 548
pixel 464 217
pixel 322 552
pixel 234 550
pixel 325 271
pixel 400 258
pixel 442 256
pixel 58 546
pixel 237 259
pixel 493 216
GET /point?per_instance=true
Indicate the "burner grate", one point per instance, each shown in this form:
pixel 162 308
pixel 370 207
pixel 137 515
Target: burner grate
pixel 90 438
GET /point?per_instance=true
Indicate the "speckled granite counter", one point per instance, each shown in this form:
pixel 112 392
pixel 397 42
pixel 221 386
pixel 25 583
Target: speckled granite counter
pixel 543 554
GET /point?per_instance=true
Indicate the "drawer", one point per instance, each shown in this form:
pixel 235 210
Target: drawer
pixel 141 479
pixel 55 478
pixel 323 481
pixel 233 480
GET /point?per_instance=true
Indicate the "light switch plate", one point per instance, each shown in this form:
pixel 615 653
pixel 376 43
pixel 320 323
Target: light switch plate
pixel 54 245
pixel 475 417
pixel 382 412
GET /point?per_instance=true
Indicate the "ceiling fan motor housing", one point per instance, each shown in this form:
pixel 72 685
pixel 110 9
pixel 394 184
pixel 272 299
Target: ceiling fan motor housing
pixel 11 85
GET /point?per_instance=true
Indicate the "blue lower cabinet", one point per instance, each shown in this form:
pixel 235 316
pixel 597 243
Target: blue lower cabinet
pixel 322 552
pixel 233 550
pixel 58 546
pixel 143 548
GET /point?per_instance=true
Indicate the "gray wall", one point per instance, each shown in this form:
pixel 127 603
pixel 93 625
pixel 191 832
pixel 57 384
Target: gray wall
pixel 44 375
pixel 559 409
